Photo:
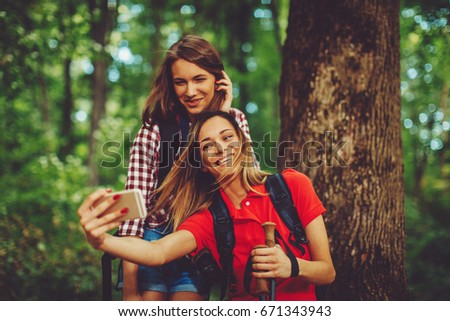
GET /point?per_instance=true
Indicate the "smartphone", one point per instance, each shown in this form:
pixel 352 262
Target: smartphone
pixel 132 199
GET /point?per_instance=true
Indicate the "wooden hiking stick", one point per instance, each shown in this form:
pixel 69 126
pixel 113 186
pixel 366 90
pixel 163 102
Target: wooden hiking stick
pixel 262 289
pixel 269 230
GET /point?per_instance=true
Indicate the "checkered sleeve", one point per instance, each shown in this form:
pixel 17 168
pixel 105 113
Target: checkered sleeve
pixel 142 174
pixel 243 124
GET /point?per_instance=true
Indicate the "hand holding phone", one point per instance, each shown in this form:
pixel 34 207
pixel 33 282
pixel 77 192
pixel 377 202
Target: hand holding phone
pixel 131 199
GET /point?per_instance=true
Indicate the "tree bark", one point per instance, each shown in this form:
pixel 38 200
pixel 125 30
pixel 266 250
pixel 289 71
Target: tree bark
pixel 102 17
pixel 443 159
pixel 276 24
pixel 156 14
pixel 66 124
pixel 68 107
pixel 340 108
pixel 43 98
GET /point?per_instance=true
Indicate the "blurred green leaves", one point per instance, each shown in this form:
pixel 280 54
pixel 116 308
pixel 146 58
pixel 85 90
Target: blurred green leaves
pixel 43 255
pixel 425 79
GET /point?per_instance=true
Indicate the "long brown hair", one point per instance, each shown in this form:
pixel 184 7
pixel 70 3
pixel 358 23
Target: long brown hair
pixel 162 104
pixel 187 189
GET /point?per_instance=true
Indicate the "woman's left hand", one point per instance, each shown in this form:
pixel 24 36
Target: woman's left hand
pixel 226 85
pixel 272 262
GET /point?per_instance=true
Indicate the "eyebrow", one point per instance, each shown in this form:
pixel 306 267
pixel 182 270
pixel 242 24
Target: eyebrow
pixel 196 76
pixel 221 132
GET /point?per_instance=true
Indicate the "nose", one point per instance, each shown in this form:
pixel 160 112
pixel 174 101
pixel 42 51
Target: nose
pixel 219 148
pixel 191 90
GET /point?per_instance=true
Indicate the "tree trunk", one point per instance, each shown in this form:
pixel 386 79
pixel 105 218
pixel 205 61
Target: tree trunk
pixel 66 124
pixel 68 106
pixel 276 24
pixel 98 109
pixel 42 97
pixel 340 108
pixel 156 14
pixel 443 159
pixel 102 17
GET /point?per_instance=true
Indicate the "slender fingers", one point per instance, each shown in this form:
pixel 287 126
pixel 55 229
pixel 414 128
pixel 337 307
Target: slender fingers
pixel 262 259
pixel 224 83
pixel 226 86
pixel 103 224
pixel 225 75
pixel 97 220
pixel 94 212
pixel 264 274
pixel 262 250
pixel 269 262
pixel 267 270
pixel 91 199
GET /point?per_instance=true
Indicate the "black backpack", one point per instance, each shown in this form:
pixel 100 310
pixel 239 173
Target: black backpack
pixel 281 198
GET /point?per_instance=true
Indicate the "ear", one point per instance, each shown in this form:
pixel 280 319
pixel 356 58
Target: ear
pixel 203 169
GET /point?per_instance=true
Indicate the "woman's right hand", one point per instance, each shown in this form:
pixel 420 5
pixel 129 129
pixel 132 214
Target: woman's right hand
pixel 96 221
pixel 226 86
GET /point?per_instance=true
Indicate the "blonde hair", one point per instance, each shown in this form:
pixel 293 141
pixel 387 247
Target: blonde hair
pixel 187 189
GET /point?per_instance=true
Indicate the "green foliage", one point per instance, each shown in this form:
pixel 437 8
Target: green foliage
pixel 427 254
pixel 425 62
pixel 43 254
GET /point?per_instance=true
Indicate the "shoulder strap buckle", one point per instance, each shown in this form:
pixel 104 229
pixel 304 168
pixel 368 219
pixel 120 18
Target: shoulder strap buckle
pixel 281 198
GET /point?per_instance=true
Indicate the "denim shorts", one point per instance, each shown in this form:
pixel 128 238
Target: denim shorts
pixel 176 276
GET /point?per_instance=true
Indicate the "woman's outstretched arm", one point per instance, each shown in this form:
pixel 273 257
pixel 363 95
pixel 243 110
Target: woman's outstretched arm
pixel 96 222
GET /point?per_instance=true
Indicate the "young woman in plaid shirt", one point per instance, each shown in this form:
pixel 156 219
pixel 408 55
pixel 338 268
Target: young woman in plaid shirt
pixel 190 81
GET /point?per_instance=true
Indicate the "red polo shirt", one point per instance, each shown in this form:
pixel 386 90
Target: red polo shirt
pixel 255 210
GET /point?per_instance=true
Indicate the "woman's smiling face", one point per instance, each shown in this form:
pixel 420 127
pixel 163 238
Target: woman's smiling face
pixel 194 86
pixel 219 145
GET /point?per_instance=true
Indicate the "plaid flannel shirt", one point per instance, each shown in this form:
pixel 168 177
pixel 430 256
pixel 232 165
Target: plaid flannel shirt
pixel 143 174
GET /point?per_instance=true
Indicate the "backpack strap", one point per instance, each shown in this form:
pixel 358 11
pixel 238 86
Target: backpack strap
pixel 106 276
pixel 170 144
pixel 224 234
pixel 281 198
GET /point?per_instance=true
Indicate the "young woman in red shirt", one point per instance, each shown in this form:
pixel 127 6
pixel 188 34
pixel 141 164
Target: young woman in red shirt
pixel 219 157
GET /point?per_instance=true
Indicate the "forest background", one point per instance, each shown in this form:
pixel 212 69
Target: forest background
pixel 74 77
